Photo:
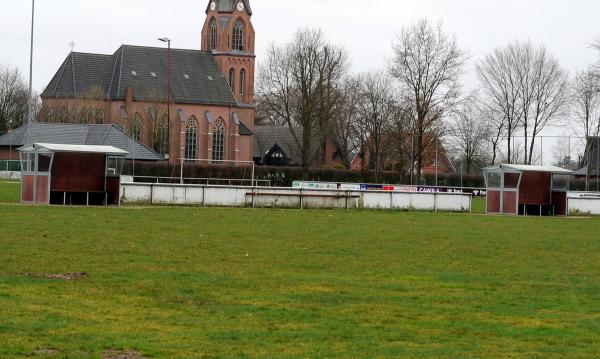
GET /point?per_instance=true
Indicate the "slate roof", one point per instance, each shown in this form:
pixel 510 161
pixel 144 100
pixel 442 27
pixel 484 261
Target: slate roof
pixel 585 171
pixel 268 136
pixel 75 134
pixel 195 78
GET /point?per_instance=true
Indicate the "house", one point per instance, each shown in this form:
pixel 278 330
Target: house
pixel 193 104
pixel 276 146
pixel 434 159
pixel 73 134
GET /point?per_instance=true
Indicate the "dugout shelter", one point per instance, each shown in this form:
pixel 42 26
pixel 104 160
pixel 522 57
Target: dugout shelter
pixel 71 174
pixel 527 190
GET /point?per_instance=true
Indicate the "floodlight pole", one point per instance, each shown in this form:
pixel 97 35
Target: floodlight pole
pixel 30 103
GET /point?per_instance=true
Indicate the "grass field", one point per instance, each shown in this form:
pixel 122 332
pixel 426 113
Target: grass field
pixel 9 191
pixel 189 282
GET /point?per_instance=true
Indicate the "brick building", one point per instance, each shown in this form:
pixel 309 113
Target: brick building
pixel 209 114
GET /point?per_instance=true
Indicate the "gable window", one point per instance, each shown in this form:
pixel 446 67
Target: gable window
pixel 238 36
pixel 232 80
pixel 218 141
pixel 242 81
pixel 213 35
pixel 191 139
pixel 135 127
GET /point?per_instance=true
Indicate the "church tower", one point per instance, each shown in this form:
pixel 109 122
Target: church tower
pixel 229 34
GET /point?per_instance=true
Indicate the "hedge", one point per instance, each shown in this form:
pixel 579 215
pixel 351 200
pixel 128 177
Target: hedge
pixel 285 176
pixel 10 166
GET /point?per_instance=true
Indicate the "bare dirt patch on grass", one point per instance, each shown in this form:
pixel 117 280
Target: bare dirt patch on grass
pixel 60 276
pixel 122 354
pixel 47 352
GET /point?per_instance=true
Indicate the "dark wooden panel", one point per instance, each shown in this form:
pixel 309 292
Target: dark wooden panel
pixel 559 201
pixel 42 195
pixel 535 188
pixel 78 172
pixel 27 192
pixel 510 203
pixel 493 202
pixel 113 186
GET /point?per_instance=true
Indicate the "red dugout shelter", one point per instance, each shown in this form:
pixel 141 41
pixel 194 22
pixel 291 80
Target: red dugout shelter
pixel 527 190
pixel 71 174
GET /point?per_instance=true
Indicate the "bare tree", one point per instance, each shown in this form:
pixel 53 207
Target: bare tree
pixel 545 93
pixel 333 66
pixel 297 85
pixel 562 151
pixel 468 133
pixel 13 99
pixel 586 103
pixel 528 87
pixel 375 117
pixel 501 92
pixel 428 64
pixel 344 121
pixel 402 148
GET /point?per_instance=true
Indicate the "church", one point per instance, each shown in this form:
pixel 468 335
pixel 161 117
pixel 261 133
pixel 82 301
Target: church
pixel 195 105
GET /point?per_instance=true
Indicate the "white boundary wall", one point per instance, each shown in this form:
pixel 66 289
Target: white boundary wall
pixel 239 196
pixel 10 175
pixel 583 203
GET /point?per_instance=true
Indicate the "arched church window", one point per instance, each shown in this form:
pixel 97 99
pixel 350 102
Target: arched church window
pixel 238 36
pixel 191 138
pixel 232 80
pixel 84 116
pixel 135 127
pixel 97 116
pixel 213 35
pixel 219 141
pixel 161 139
pixel 242 81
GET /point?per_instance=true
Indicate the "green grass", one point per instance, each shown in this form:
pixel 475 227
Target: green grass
pixel 9 191
pixel 478 206
pixel 189 282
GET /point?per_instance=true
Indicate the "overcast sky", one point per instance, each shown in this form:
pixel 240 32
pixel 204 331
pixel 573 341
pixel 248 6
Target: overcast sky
pixel 365 28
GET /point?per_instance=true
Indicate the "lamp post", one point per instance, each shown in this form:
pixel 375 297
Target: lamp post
pixel 30 104
pixel 168 41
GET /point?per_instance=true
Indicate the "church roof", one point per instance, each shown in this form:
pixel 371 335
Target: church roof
pixel 76 134
pixel 195 78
